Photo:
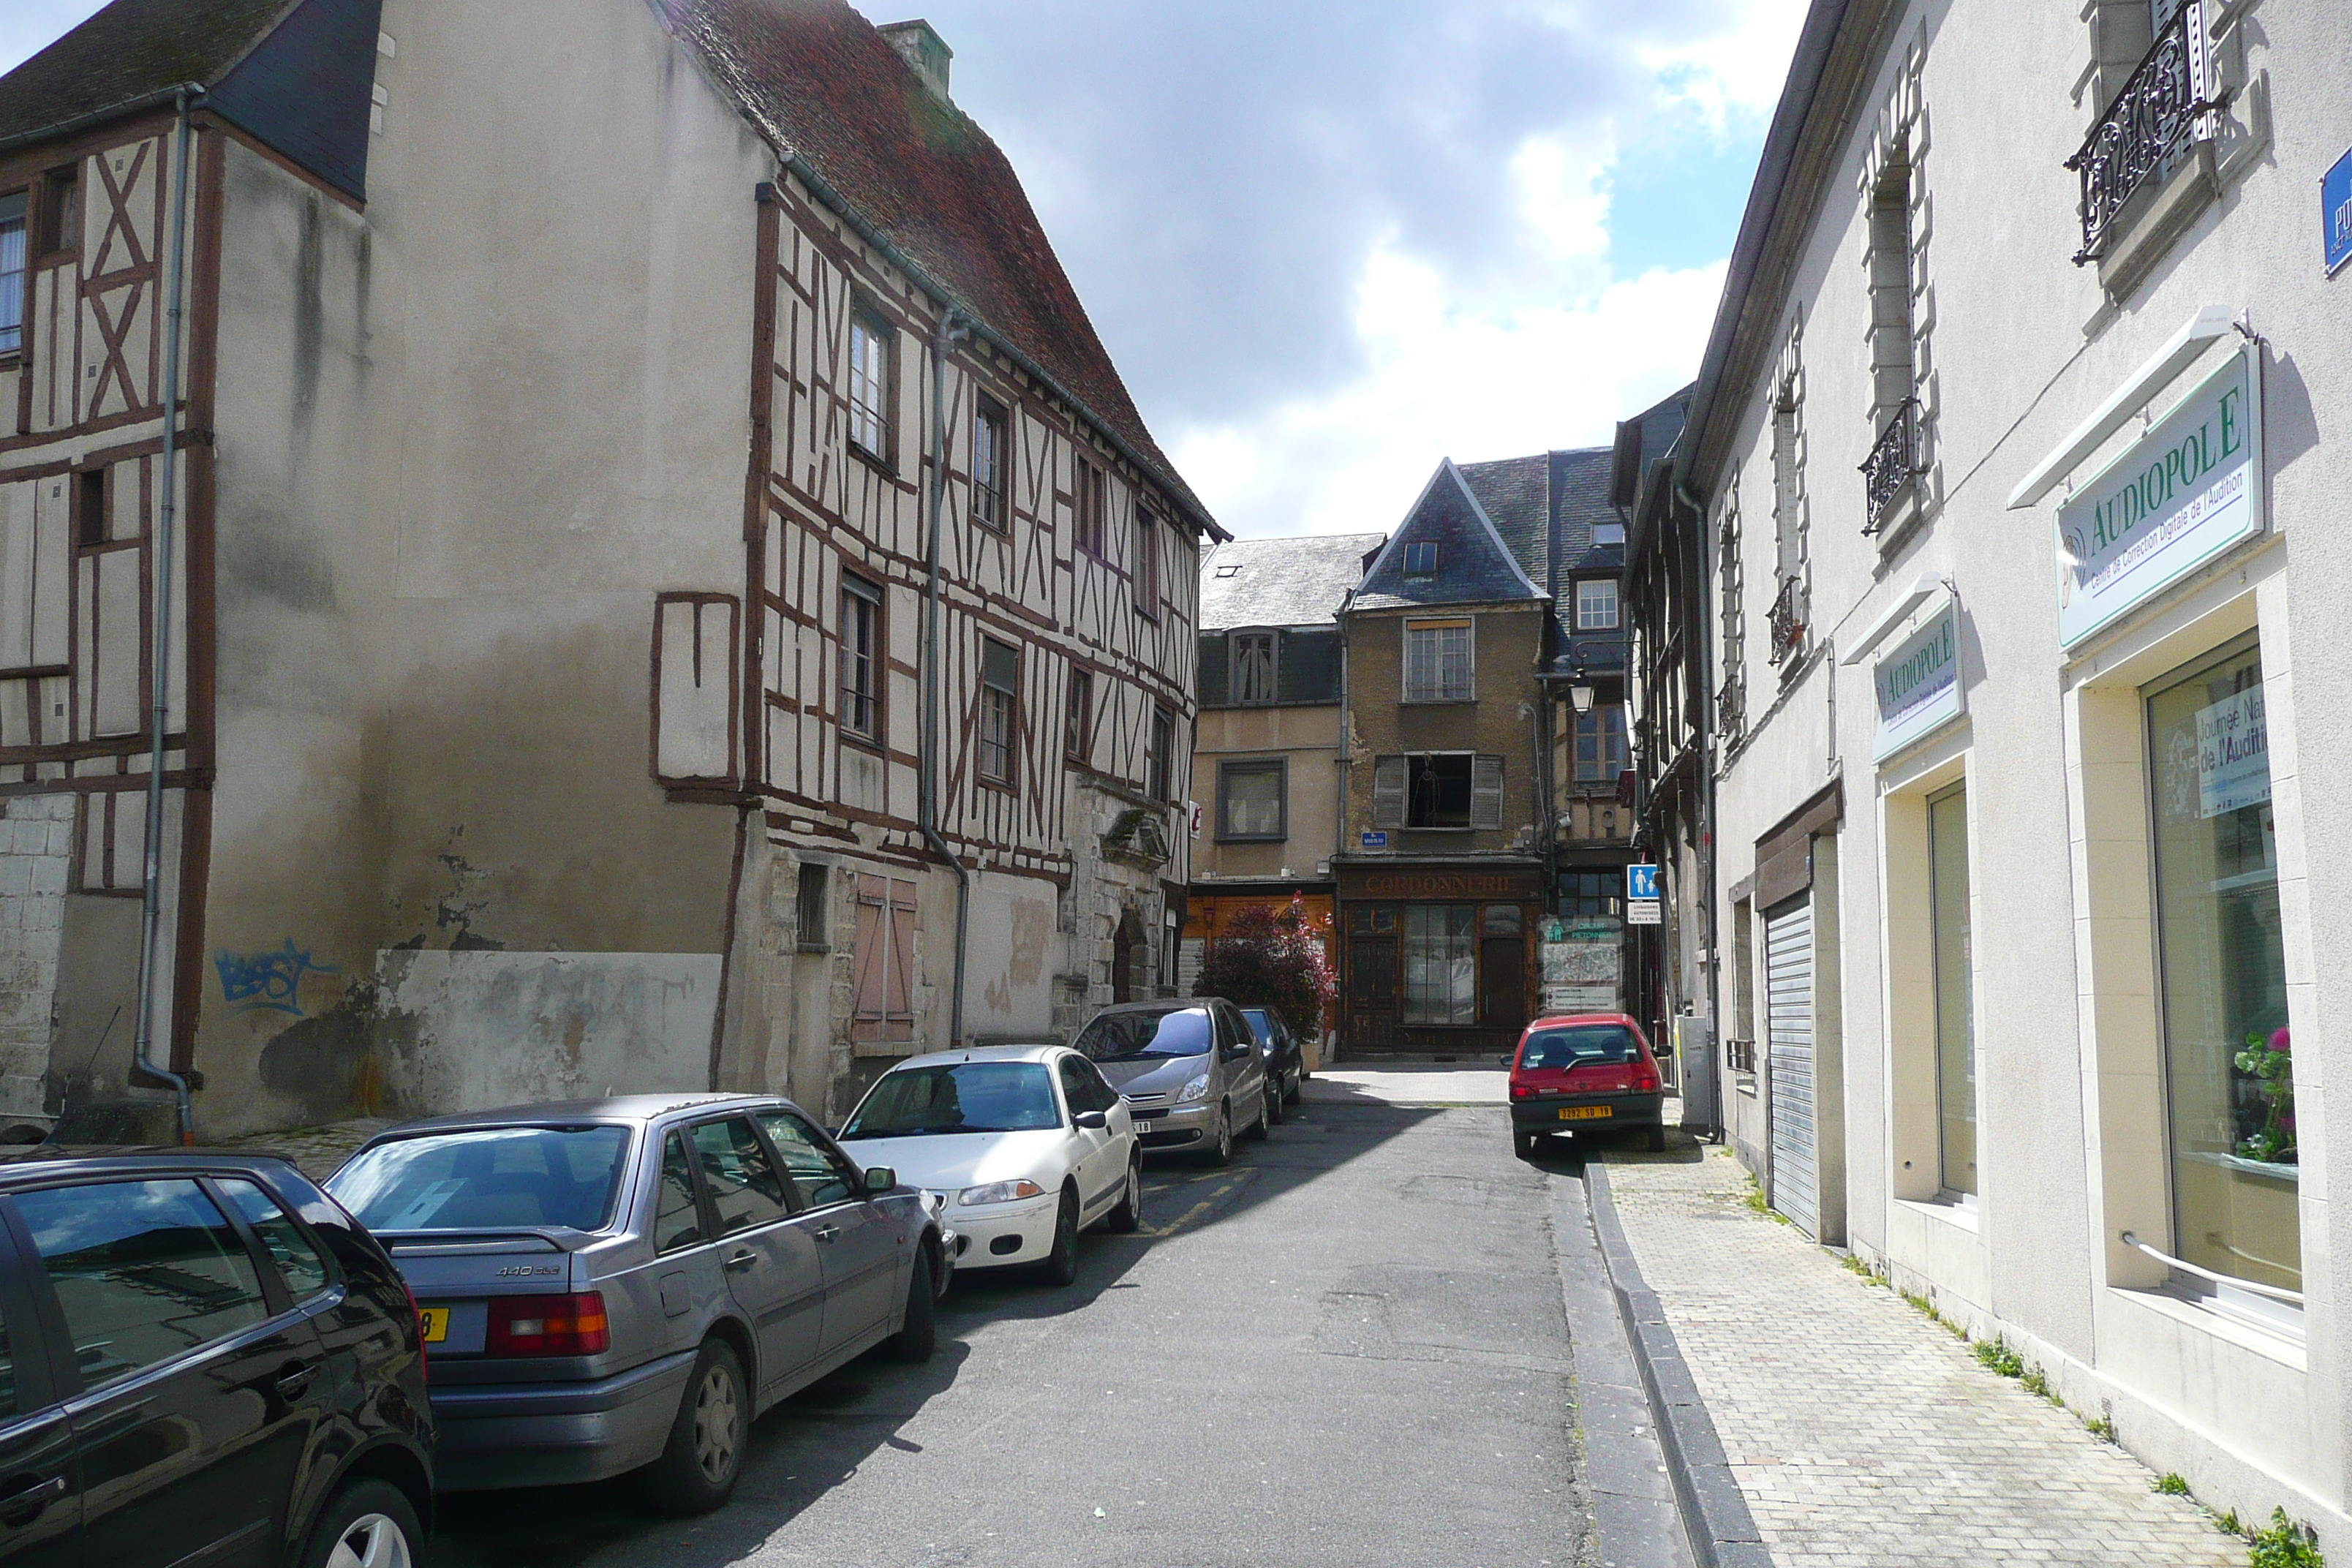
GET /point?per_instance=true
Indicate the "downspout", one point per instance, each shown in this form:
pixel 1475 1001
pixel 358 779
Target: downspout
pixel 951 326
pixel 151 905
pixel 1708 867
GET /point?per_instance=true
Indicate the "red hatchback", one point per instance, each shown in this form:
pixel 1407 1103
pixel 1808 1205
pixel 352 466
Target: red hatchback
pixel 1587 1072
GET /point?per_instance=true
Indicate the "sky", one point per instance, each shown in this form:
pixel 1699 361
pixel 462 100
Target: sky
pixel 1330 242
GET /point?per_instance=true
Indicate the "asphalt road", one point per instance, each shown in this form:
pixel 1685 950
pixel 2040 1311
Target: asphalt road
pixel 1350 1347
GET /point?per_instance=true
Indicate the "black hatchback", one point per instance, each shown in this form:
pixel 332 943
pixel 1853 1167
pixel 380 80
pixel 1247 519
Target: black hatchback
pixel 203 1359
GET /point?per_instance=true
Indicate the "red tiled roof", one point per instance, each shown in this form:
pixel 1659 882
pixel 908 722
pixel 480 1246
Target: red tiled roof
pixel 821 84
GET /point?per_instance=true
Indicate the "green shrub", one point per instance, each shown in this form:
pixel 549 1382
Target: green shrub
pixel 2285 1545
pixel 1995 1355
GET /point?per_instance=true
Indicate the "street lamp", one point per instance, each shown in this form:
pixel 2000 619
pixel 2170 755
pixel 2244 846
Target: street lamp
pixel 1579 697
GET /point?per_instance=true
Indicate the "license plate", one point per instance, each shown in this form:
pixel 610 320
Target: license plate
pixel 436 1323
pixel 1583 1112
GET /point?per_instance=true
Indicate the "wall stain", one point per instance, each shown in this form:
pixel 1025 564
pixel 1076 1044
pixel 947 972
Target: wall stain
pixel 455 910
pixel 331 1066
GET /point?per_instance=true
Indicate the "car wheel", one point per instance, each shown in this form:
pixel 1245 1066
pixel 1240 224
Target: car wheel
pixel 696 1471
pixel 1221 1141
pixel 1528 1144
pixel 919 1333
pixel 1061 1265
pixel 1274 1098
pixel 1658 1139
pixel 371 1525
pixel 1265 1123
pixel 1128 1218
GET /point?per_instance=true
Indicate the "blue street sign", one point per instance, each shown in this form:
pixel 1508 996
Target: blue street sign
pixel 1376 840
pixel 1642 883
pixel 2336 212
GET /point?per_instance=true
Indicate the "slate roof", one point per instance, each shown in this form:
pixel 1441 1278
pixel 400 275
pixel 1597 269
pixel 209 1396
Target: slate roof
pixel 131 50
pixel 1298 582
pixel 1582 484
pixel 1517 494
pixel 824 87
pixel 1474 565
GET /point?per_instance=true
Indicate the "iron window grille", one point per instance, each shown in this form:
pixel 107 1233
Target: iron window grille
pixel 1731 708
pixel 1893 463
pixel 2156 113
pixel 1788 620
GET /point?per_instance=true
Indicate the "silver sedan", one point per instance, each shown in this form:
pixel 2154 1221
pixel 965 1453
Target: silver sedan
pixel 622 1285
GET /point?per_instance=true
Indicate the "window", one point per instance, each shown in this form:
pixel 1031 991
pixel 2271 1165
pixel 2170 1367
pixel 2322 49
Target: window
pixel 1731 707
pixel 1955 1052
pixel 815 910
pixel 861 655
pixel 819 1173
pixel 1441 963
pixel 1146 563
pixel 2229 1071
pixel 1086 504
pixel 1253 798
pixel 1596 605
pixel 870 344
pixel 990 462
pixel 1156 756
pixel 300 1263
pixel 12 274
pixel 486 1178
pixel 60 210
pixel 1892 365
pixel 999 679
pixel 1421 559
pixel 745 1191
pixel 1592 892
pixel 1253 667
pixel 1437 662
pixel 1608 533
pixel 144 1271
pixel 1788 489
pixel 1078 724
pixel 1437 790
pixel 1601 749
pixel 882 981
pixel 964 1096
pixel 89 507
pixel 678 1217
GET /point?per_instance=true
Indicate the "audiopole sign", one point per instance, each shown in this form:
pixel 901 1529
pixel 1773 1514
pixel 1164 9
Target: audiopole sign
pixel 1919 689
pixel 2182 494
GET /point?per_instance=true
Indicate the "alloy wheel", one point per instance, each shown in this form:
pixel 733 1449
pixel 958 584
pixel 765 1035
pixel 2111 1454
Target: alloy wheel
pixel 718 1424
pixel 372 1541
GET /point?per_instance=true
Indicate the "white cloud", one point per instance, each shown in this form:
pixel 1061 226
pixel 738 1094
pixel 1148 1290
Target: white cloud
pixel 1738 69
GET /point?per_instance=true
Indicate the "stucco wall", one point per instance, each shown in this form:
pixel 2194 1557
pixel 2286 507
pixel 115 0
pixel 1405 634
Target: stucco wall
pixel 1308 739
pixel 1501 721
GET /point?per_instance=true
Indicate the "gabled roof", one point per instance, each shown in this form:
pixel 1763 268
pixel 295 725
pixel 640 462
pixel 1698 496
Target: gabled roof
pixel 1474 566
pixel 132 51
pixel 1298 582
pixel 913 172
pixel 1517 494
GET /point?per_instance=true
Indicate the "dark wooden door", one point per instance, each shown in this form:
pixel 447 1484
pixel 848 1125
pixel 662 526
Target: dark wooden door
pixel 1503 983
pixel 1372 993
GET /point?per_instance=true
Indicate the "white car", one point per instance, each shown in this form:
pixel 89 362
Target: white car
pixel 1017 1147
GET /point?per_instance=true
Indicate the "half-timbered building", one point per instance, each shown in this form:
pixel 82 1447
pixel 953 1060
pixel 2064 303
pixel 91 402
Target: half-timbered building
pixel 633 561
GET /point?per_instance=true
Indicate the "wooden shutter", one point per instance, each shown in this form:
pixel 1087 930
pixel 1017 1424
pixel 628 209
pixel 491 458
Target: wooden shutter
pixel 1213 669
pixel 899 992
pixel 1309 666
pixel 1388 792
pixel 871 966
pixel 1485 792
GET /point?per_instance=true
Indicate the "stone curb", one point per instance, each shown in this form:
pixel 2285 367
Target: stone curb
pixel 1721 1530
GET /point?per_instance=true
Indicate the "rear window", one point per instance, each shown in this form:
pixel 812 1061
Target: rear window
pixel 1580 1045
pixel 1125 1037
pixel 1261 1023
pixel 486 1178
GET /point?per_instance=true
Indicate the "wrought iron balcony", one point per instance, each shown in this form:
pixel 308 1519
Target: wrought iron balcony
pixel 1893 462
pixel 1788 622
pixel 2150 119
pixel 1731 708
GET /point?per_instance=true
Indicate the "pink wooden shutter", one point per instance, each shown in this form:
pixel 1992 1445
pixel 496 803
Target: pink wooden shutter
pixel 901 989
pixel 871 965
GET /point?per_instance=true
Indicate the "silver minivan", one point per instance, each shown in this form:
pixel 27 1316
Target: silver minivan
pixel 1190 1071
pixel 624 1284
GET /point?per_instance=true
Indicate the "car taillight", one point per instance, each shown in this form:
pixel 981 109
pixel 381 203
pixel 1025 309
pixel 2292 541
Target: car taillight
pixel 423 1361
pixel 1645 1078
pixel 1523 1092
pixel 548 1325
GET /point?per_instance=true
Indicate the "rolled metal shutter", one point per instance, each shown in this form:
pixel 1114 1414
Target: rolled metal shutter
pixel 1788 1004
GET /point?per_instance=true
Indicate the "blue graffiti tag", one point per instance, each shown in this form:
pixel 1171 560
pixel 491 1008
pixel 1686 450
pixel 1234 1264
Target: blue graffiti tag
pixel 267 979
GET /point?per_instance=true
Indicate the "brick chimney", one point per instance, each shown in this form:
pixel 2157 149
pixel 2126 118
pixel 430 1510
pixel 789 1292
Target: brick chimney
pixel 923 49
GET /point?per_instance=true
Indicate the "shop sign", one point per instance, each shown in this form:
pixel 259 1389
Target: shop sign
pixel 2183 493
pixel 1572 999
pixel 2233 755
pixel 2336 214
pixel 1420 887
pixel 1918 684
pixel 1194 814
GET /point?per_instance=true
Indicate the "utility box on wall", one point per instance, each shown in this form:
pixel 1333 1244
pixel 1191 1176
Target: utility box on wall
pixel 1694 1070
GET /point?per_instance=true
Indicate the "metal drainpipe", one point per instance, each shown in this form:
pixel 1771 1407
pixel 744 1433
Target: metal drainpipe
pixel 1707 860
pixel 950 327
pixel 150 907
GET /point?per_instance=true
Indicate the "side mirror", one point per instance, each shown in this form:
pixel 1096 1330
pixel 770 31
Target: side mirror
pixel 1095 1120
pixel 1504 1060
pixel 880 1179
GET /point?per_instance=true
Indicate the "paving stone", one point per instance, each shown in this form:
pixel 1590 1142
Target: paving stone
pixel 316 1151
pixel 1860 1432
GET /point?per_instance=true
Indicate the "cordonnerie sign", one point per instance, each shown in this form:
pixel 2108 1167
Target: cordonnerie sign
pixel 2183 493
pixel 1919 683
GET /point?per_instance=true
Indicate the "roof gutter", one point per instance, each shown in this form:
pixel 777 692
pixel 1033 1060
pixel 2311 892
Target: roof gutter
pixel 981 329
pixel 189 91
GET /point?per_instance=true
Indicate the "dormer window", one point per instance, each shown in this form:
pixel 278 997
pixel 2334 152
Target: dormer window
pixel 1421 559
pixel 1253 667
pixel 1596 605
pixel 1608 533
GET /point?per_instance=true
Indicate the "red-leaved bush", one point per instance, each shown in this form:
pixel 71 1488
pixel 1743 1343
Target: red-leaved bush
pixel 1274 959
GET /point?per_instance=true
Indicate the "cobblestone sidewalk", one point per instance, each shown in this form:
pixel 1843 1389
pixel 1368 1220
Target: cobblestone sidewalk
pixel 317 1150
pixel 1862 1433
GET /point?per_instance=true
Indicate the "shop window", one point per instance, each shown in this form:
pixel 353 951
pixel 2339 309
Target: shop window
pixel 1441 963
pixel 1439 662
pixel 1253 798
pixel 1255 668
pixel 2229 1079
pixel 883 967
pixel 999 679
pixel 1955 1051
pixel 1601 746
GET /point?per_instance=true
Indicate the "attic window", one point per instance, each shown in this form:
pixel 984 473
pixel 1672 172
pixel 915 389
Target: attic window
pixel 1608 533
pixel 1228 571
pixel 1421 560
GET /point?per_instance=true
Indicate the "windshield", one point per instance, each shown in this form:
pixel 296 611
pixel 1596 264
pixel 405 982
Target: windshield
pixel 968 1096
pixel 1127 1037
pixel 1261 1023
pixel 1580 1047
pixel 485 1178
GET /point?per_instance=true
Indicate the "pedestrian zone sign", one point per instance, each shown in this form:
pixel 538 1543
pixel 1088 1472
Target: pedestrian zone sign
pixel 1641 883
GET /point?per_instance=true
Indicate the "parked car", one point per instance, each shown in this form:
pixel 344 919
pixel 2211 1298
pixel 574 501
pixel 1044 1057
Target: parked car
pixel 205 1361
pixel 1286 1060
pixel 622 1285
pixel 1189 1070
pixel 1589 1072
pixel 1021 1147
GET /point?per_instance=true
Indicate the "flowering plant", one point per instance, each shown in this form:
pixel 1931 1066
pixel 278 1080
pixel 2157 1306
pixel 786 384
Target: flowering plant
pixel 1265 958
pixel 2271 1067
